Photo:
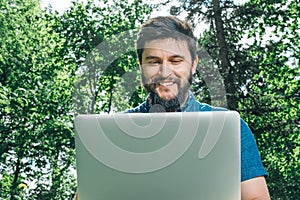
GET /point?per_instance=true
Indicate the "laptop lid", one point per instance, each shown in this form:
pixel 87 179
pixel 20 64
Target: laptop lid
pixel 158 156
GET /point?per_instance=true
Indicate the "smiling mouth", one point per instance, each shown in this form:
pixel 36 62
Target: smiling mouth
pixel 165 84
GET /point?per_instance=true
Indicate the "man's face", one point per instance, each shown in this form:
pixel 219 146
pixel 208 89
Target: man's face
pixel 167 71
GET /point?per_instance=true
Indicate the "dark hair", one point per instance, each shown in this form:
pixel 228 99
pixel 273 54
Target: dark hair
pixel 163 28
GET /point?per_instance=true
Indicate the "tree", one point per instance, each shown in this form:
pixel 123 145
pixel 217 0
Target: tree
pixel 260 39
pixel 41 56
pixel 35 139
pixel 271 104
pixel 220 43
pixel 102 46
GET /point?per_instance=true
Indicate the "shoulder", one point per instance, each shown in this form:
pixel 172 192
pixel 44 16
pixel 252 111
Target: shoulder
pixel 193 105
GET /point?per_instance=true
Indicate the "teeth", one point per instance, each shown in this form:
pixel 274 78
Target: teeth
pixel 166 84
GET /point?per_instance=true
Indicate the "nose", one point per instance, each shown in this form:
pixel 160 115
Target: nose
pixel 165 70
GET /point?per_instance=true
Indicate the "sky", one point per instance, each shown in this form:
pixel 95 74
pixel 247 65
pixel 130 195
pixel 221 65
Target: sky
pixel 59 5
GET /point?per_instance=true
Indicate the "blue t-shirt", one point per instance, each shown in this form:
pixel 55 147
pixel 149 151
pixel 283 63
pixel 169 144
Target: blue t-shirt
pixel 251 164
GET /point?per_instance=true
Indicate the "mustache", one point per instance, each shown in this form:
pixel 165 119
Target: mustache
pixel 157 80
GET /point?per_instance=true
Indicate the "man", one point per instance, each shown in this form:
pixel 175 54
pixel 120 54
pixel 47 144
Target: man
pixel 167 56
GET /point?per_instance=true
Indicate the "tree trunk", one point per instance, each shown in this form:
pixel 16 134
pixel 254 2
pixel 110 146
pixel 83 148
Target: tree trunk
pixel 14 185
pixel 226 67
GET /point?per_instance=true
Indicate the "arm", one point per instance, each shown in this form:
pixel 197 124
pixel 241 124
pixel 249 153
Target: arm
pixel 253 185
pixel 255 189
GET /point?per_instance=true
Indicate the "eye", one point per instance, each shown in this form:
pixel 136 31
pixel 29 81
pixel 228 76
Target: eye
pixel 153 63
pixel 176 61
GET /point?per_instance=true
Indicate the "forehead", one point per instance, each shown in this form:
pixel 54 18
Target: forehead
pixel 166 47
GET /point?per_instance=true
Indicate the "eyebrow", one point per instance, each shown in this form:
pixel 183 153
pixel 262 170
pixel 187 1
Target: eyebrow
pixel 178 56
pixel 155 57
pixel 151 57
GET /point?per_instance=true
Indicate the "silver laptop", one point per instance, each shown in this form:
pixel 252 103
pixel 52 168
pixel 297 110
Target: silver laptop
pixel 158 156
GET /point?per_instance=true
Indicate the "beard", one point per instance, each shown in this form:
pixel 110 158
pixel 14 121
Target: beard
pixel 159 104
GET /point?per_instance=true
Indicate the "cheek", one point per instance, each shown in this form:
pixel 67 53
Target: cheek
pixel 148 73
pixel 182 73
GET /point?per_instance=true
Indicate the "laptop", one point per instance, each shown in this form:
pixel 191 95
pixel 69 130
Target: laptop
pixel 158 156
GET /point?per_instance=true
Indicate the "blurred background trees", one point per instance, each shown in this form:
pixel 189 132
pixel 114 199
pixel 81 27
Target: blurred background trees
pixel 37 144
pixel 41 54
pixel 56 65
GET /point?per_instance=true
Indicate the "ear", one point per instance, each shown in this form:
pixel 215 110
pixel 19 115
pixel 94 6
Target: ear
pixel 194 65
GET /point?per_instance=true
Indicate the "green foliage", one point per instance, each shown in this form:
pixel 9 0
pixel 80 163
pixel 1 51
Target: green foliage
pixel 53 67
pixel 101 42
pixel 272 101
pixel 262 40
pixel 35 100
pixel 42 56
